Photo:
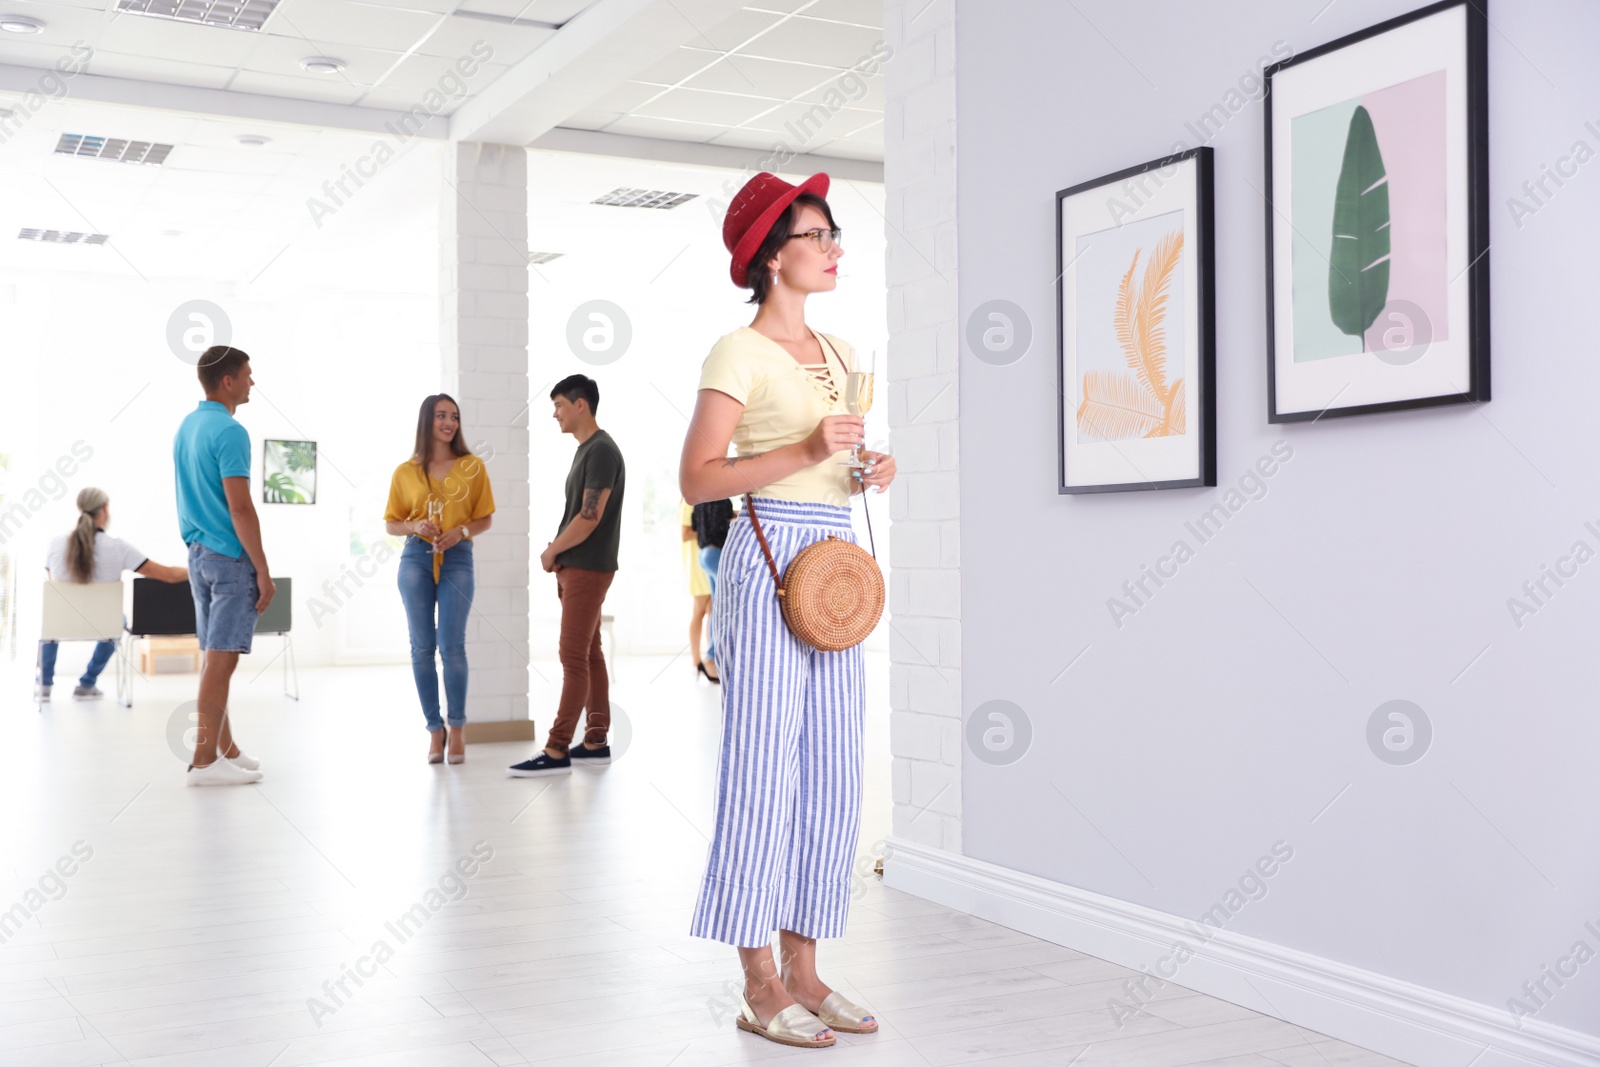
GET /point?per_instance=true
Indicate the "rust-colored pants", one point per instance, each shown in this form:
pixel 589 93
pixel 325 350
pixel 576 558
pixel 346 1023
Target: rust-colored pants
pixel 584 683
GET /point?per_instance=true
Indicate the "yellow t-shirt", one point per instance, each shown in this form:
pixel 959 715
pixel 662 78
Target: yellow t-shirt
pixel 783 402
pixel 465 492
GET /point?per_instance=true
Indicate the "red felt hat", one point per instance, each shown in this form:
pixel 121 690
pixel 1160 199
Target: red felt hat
pixel 754 210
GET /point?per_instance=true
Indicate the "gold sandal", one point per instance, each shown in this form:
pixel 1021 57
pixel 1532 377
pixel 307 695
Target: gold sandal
pixel 792 1026
pixel 839 1014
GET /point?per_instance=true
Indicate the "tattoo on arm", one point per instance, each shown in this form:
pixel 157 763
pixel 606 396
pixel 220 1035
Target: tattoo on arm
pixel 591 504
pixel 732 461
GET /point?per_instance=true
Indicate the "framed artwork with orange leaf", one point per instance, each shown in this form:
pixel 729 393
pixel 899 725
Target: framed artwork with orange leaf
pixel 1136 335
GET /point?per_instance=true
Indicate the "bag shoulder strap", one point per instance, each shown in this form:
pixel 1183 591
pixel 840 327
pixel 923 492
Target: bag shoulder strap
pixel 766 550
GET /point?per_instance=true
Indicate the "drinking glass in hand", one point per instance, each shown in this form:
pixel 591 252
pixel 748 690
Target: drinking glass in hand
pixel 436 516
pixel 857 401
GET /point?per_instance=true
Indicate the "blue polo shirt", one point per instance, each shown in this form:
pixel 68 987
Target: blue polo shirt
pixel 210 445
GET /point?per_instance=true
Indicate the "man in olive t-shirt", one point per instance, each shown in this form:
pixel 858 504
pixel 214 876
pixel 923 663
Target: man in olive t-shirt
pixel 584 559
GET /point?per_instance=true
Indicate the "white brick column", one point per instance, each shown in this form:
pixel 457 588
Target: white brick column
pixel 483 334
pixel 924 347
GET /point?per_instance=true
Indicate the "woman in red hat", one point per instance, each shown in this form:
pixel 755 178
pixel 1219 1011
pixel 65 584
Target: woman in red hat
pixel 788 805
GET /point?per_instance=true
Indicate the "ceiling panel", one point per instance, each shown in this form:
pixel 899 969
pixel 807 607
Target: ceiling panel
pixel 720 109
pixel 764 77
pixel 280 56
pixel 416 75
pixel 157 39
pixel 556 11
pixel 626 97
pixel 860 12
pixel 637 126
pixel 728 35
pixel 334 90
pixel 140 68
pixel 328 24
pixel 677 65
pixel 812 41
pixel 509 43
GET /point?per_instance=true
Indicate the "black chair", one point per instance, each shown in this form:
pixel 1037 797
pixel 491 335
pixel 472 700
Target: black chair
pixel 166 609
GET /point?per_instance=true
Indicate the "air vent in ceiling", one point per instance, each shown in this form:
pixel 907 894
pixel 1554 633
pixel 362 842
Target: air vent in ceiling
pixel 644 198
pixel 112 148
pixel 544 257
pixel 229 14
pixel 62 237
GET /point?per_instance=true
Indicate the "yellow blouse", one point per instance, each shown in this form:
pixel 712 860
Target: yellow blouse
pixel 783 402
pixel 465 492
pixel 699 582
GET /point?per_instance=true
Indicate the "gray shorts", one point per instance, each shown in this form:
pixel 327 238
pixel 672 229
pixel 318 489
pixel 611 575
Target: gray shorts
pixel 225 596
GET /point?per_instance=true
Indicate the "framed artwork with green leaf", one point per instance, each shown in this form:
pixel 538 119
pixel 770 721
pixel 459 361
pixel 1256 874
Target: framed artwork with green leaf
pixel 1377 205
pixel 1136 333
pixel 288 472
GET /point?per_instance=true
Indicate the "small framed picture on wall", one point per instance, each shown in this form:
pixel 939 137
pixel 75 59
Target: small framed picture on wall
pixel 1377 205
pixel 1136 337
pixel 288 472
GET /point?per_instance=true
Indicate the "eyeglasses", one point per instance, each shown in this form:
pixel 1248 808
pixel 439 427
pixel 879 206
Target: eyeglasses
pixel 825 239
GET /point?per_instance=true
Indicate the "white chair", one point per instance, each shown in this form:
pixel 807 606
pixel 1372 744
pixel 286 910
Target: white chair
pixel 87 611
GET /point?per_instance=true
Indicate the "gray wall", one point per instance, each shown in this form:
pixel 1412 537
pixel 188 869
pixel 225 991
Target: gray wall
pixel 1230 711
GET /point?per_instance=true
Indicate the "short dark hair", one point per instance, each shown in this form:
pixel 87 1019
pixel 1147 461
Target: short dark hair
pixel 576 387
pixel 758 279
pixel 217 363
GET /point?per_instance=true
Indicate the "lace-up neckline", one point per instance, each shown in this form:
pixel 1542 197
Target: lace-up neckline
pixel 821 376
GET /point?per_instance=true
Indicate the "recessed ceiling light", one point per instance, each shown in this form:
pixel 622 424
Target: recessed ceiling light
pixel 113 148
pixel 322 64
pixel 647 198
pixel 251 140
pixel 20 24
pixel 172 233
pixel 227 14
pixel 62 237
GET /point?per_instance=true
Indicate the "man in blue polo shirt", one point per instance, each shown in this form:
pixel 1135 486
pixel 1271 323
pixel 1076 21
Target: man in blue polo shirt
pixel 228 571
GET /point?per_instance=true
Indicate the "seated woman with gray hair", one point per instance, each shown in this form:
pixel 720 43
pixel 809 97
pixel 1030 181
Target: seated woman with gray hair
pixel 89 554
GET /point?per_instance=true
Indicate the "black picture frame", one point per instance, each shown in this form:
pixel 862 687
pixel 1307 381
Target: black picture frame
pixel 1203 429
pixel 1475 212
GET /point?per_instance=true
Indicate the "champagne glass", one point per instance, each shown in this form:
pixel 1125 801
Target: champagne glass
pixel 857 401
pixel 436 516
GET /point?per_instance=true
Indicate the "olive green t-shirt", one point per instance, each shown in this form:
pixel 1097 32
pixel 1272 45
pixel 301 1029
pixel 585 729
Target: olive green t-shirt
pixel 596 465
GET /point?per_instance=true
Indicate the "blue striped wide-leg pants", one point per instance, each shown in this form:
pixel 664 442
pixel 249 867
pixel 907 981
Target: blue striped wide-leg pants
pixel 788 805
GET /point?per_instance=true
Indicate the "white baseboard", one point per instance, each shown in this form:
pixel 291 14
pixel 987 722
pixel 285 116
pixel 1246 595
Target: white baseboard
pixel 1407 1022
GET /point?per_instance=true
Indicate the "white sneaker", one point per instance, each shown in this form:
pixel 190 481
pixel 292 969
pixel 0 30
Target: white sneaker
pixel 222 772
pixel 249 763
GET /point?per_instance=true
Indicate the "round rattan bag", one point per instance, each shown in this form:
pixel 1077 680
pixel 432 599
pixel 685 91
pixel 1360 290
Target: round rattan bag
pixel 831 594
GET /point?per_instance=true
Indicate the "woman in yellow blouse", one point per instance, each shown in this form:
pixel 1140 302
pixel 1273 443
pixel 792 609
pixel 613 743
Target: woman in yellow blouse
pixel 439 499
pixel 700 590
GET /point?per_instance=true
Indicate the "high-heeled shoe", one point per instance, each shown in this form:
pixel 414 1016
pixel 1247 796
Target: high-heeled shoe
pixel 436 746
pixel 458 745
pixel 701 668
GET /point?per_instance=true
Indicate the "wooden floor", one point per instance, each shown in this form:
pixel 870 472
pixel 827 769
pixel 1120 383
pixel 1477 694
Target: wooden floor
pixel 203 920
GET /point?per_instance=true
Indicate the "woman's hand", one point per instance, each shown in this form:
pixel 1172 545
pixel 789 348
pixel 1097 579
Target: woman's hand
pixel 835 434
pixel 879 472
pixel 448 539
pixel 425 529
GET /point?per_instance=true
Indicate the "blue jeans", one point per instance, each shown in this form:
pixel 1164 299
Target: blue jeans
pixel 97 662
pixel 710 557
pixel 448 636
